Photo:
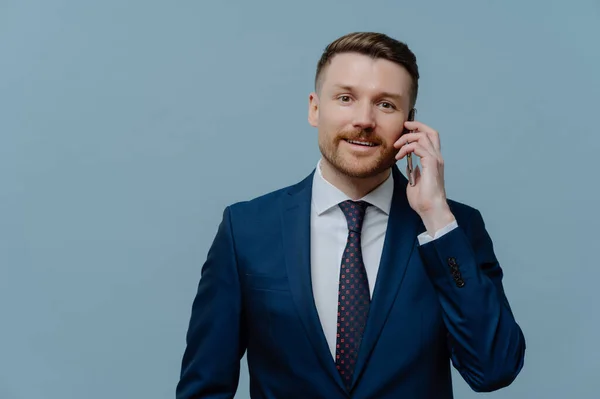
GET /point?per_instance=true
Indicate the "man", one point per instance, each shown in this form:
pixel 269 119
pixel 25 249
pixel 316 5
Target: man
pixel 354 283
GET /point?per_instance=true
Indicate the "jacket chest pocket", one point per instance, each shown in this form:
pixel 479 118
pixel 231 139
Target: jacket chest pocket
pixel 270 307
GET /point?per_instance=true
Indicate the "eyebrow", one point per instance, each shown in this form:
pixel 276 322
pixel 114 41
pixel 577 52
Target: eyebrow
pixel 395 96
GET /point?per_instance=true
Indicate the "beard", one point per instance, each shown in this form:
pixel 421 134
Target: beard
pixel 352 165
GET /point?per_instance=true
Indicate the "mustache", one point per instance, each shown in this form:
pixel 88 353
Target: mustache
pixel 360 134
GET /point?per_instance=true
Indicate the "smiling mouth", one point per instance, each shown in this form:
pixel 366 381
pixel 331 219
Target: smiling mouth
pixel 363 143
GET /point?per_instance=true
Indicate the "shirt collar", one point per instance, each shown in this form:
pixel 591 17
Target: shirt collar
pixel 326 196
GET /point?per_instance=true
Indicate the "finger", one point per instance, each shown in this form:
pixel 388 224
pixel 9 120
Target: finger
pixel 415 148
pixel 416 126
pixel 420 138
pixel 406 138
pixel 423 128
pixel 406 149
pixel 425 141
pixel 434 138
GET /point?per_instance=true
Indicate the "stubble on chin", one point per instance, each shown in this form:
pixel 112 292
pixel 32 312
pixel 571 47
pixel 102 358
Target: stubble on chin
pixel 356 167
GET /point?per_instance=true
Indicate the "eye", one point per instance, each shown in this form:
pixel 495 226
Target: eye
pixel 344 98
pixel 387 105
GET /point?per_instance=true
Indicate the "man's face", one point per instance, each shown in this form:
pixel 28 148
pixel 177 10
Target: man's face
pixel 360 112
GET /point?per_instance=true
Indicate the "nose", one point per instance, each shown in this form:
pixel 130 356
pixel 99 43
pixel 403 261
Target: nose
pixel 364 117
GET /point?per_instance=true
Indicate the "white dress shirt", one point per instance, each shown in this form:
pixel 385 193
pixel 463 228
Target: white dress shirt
pixel 328 235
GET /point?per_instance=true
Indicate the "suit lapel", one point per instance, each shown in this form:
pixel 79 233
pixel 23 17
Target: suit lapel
pixel 296 240
pixel 401 234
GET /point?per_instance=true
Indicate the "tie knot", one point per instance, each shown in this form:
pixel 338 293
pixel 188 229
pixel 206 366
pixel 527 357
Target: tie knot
pixel 355 214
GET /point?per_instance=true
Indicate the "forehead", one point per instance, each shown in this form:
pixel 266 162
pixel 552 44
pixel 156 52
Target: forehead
pixel 364 72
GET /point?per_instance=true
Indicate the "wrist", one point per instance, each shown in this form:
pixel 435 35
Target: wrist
pixel 437 218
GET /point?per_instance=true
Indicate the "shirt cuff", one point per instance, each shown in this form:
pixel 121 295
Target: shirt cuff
pixel 424 238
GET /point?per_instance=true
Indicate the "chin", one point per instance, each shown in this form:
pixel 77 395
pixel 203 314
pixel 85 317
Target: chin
pixel 363 172
pixel 361 168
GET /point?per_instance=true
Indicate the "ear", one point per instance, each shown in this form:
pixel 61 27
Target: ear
pixel 313 109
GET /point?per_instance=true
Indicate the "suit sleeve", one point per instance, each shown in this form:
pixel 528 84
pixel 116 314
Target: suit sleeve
pixel 486 344
pixel 215 338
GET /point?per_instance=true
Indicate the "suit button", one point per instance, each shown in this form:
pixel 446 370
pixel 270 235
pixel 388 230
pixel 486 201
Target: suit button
pixel 460 282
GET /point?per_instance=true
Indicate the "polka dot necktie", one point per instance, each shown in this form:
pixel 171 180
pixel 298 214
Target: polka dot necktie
pixel 353 294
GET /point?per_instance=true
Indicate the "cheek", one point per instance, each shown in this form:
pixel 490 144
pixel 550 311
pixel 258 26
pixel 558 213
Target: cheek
pixel 335 118
pixel 390 132
pixel 391 138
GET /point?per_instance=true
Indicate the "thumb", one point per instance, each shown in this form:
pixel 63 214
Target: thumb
pixel 417 175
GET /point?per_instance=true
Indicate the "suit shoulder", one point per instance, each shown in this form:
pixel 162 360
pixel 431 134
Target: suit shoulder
pixel 260 203
pixel 266 205
pixel 257 221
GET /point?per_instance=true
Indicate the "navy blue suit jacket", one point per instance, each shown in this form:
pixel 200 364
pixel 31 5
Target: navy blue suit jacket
pixel 432 305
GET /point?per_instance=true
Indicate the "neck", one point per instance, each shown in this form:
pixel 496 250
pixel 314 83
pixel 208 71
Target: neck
pixel 353 187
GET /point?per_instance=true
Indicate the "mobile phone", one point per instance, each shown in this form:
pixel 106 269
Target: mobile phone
pixel 409 164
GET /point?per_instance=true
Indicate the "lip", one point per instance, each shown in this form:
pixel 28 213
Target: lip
pixel 361 148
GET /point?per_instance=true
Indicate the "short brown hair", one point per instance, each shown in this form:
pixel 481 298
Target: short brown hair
pixel 375 45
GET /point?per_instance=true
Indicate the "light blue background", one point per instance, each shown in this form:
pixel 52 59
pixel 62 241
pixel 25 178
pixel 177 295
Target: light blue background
pixel 127 126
